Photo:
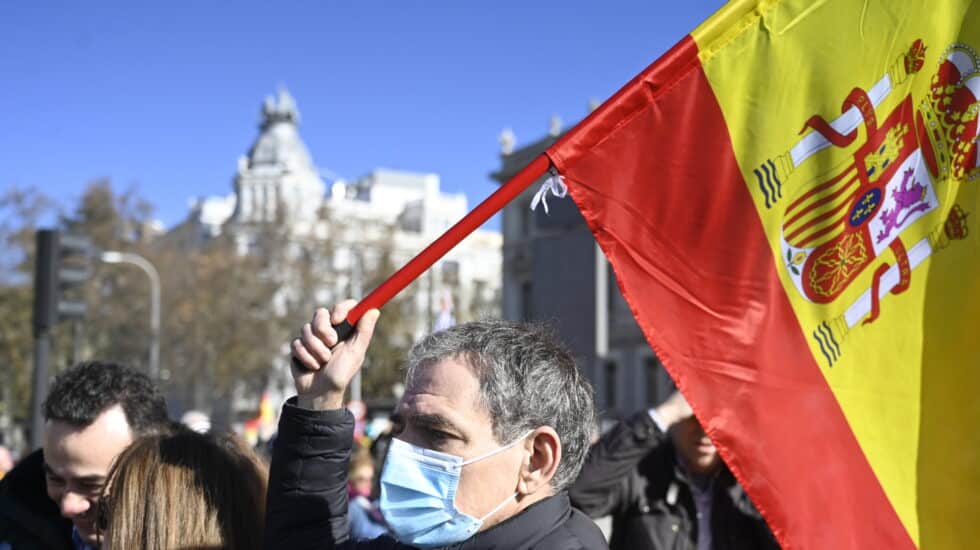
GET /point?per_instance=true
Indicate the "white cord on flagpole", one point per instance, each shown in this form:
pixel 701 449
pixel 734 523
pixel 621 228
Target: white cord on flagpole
pixel 555 184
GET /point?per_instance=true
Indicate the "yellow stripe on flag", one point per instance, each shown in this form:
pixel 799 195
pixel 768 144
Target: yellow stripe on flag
pixel 875 192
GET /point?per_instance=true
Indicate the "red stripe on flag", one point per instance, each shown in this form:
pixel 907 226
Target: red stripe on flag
pixel 810 239
pixel 875 289
pixel 819 189
pixel 793 237
pixel 654 174
pixel 824 200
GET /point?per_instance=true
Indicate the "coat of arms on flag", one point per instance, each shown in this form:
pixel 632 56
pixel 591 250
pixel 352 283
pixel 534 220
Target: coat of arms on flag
pixel 898 172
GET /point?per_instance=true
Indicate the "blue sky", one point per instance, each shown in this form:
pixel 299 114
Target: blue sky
pixel 165 95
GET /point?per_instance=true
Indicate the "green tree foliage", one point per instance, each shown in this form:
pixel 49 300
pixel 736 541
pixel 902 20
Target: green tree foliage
pixel 226 315
pixel 20 212
pixel 117 323
pixel 219 329
pixel 393 336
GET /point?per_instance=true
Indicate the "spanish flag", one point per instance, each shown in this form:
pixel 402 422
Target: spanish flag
pixel 790 198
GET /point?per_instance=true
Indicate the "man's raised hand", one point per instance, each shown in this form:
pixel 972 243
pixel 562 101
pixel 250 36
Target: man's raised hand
pixel 322 367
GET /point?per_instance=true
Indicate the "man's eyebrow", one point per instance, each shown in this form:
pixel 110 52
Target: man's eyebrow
pixel 94 478
pixel 438 422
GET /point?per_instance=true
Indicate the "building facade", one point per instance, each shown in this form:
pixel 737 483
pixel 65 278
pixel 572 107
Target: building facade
pixel 352 229
pixel 554 271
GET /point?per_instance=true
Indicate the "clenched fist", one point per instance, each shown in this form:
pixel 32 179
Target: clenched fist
pixel 322 367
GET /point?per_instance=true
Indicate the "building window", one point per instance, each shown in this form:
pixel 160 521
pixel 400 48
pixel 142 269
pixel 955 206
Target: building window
pixel 527 220
pixel 527 294
pixel 450 272
pixel 611 383
pixel 652 369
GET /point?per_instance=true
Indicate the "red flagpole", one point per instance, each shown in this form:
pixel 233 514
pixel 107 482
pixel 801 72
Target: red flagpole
pixel 424 260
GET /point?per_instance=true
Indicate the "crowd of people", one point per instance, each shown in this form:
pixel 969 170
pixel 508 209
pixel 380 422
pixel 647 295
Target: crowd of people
pixel 493 446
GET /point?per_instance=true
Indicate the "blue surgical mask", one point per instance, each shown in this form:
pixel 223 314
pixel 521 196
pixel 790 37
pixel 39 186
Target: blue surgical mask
pixel 418 495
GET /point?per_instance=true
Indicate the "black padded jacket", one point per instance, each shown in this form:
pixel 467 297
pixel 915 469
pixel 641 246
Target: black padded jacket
pixel 632 475
pixel 307 504
pixel 29 520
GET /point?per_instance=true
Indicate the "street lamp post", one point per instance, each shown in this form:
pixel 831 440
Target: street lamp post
pixel 114 257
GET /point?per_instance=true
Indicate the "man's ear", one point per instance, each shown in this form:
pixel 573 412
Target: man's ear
pixel 542 462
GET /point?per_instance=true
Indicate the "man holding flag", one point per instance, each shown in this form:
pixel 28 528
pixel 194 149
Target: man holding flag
pixel 786 197
pixel 493 427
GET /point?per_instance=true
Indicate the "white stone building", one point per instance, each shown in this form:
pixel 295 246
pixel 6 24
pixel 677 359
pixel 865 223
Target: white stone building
pixel 277 182
pixel 386 212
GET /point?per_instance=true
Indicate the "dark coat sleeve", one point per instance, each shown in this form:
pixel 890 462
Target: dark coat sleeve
pixel 605 485
pixel 29 520
pixel 307 501
pixel 742 522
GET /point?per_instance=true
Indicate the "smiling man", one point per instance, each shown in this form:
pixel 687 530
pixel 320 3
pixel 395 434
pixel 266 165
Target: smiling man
pixel 662 480
pixel 93 411
pixel 493 427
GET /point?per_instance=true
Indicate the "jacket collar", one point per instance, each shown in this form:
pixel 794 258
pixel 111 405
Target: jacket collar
pixel 525 529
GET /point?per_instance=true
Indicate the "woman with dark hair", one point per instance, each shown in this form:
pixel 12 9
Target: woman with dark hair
pixel 185 490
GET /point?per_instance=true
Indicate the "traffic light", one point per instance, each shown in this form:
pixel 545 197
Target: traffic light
pixel 62 262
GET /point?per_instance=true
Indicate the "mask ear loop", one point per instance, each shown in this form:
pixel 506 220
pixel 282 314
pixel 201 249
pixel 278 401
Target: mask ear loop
pixel 497 451
pixel 498 507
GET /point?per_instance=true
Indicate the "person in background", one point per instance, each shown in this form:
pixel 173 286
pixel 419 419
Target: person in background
pixel 196 421
pixel 94 410
pixel 6 461
pixel 665 485
pixel 184 490
pixel 365 517
pixel 379 445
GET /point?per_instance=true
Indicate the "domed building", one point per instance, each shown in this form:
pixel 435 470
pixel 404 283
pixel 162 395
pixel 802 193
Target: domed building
pixel 278 173
pixel 351 232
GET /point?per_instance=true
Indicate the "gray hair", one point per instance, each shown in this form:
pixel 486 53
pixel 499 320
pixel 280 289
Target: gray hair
pixel 528 379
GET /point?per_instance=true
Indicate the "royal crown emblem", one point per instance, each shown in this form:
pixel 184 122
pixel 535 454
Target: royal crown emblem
pixel 947 118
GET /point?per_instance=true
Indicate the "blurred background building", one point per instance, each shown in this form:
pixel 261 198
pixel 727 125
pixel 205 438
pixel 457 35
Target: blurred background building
pixel 349 234
pixel 554 271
